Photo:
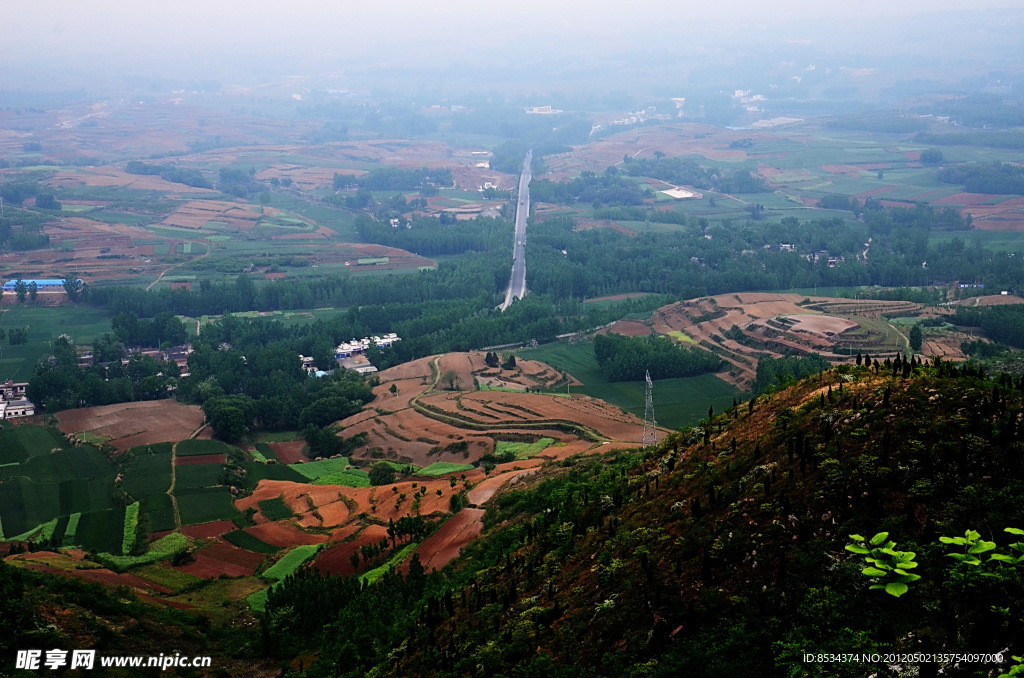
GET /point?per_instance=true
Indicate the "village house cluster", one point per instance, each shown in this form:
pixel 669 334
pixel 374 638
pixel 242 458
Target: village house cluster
pixel 350 355
pixel 13 402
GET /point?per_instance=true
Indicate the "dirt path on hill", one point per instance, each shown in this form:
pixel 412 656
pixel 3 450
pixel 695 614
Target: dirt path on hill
pixel 169 268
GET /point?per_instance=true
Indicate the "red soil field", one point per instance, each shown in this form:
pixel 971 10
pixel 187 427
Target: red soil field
pixel 335 560
pixel 770 319
pixel 629 328
pixel 343 533
pixel 673 139
pixel 486 489
pixel 289 452
pixel 283 533
pixel 444 546
pixel 102 576
pixel 617 297
pixel 947 350
pixel 195 214
pixel 222 558
pixel 1000 224
pixel 590 412
pixel 208 530
pixel 417 369
pixel 822 324
pixel 108 176
pixel 380 503
pixel 460 364
pixel 199 459
pixel 419 436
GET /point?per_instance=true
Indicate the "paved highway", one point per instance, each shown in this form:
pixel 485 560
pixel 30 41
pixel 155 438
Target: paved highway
pixel 517 281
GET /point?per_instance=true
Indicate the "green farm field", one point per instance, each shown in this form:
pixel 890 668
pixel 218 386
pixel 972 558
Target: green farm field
pixel 19 443
pixel 244 540
pixel 440 468
pixel 205 504
pixel 314 470
pixel 166 576
pixel 197 475
pixel 290 562
pixel 101 531
pixel 275 509
pixel 257 471
pixel 677 402
pixel 345 478
pixel 160 511
pixel 1009 241
pixel 44 323
pixel 148 473
pixel 519 450
pixel 48 486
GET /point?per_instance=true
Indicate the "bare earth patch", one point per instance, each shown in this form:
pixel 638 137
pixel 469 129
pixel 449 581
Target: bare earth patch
pixel 132 424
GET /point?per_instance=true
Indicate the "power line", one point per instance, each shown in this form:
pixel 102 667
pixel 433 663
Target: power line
pixel 650 438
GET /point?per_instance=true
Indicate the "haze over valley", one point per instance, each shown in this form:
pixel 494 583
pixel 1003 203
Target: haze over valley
pixel 563 340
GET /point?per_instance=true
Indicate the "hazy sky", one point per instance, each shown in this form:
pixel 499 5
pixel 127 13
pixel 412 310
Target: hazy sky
pixel 64 42
pixel 100 25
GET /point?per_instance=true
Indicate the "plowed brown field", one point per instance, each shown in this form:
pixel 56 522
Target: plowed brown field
pixel 283 533
pixel 221 558
pixel 103 576
pixel 208 530
pixel 444 546
pixel 132 424
pixel 336 559
pixel 289 452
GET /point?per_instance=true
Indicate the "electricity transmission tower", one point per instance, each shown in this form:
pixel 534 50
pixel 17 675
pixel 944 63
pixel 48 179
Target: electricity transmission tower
pixel 650 428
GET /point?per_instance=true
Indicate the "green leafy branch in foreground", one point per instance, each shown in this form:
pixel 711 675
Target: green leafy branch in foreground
pixel 968 561
pixel 1016 546
pixel 890 566
pixel 885 563
pixel 973 546
pixel 1017 670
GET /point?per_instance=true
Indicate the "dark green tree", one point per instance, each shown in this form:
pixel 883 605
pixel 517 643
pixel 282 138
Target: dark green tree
pixel 916 338
pixel 73 286
pixel 323 355
pixel 230 416
pixel 381 473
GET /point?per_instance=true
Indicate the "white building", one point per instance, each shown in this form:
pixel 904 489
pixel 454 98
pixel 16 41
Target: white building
pixel 347 349
pixel 11 409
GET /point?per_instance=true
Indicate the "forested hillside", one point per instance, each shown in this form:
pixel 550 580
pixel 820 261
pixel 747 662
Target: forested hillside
pixel 870 509
pixel 723 552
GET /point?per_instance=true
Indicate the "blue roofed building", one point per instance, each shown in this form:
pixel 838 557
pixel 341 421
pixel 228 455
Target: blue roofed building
pixel 41 283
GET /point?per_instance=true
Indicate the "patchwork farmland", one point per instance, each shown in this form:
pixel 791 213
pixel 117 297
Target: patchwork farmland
pixel 165 484
pixel 740 328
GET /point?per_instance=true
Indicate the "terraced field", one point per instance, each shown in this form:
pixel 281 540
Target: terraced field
pixel 453 408
pixel 740 328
